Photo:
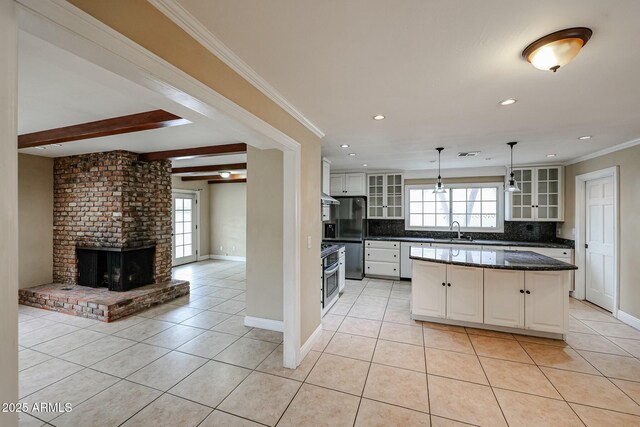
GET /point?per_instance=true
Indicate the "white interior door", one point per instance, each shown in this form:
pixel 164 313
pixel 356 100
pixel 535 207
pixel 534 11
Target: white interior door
pixel 184 228
pixel 600 240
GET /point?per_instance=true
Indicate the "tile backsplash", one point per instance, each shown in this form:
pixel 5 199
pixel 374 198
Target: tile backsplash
pixel 521 231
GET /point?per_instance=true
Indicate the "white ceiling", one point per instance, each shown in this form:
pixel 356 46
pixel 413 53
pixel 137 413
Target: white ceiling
pixel 56 89
pixel 437 70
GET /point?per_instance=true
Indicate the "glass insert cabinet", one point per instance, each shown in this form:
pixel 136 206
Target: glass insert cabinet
pixel 541 194
pixel 384 195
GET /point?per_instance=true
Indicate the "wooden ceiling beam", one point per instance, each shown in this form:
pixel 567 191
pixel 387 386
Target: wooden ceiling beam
pixel 227 181
pixel 210 168
pixel 214 150
pixel 117 125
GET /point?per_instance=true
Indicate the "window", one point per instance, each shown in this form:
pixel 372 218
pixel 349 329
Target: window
pixel 477 207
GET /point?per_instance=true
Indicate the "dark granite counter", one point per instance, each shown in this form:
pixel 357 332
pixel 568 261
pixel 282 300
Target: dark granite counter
pixel 477 242
pixel 494 258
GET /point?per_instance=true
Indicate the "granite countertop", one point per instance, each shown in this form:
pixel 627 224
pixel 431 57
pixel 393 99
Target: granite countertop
pixel 492 258
pixel 476 242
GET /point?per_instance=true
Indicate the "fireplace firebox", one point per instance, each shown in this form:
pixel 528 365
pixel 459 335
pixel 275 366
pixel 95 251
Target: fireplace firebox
pixel 119 269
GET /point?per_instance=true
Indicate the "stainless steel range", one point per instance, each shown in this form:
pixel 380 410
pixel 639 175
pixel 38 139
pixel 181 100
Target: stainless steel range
pixel 331 269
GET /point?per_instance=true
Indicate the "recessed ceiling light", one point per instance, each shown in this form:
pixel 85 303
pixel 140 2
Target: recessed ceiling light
pixel 551 155
pixel 41 148
pixel 225 174
pixel 378 117
pixel 365 165
pixel 582 138
pixel 352 154
pixel 184 158
pixel 344 146
pixel 509 101
pixel 56 145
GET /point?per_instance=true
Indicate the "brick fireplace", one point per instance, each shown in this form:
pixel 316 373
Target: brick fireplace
pixel 111 201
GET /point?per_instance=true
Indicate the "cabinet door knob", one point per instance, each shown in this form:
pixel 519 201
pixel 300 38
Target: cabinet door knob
pixel 448 284
pixel 528 292
pixel 444 284
pixel 521 291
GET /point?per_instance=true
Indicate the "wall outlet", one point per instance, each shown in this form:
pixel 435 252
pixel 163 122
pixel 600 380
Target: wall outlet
pixel 308 242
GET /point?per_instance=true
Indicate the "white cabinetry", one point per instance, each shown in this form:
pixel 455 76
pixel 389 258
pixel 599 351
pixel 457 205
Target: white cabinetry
pixel 541 196
pixel 546 301
pixel 385 195
pixel 382 258
pixel 405 260
pixel 429 289
pixel 326 187
pixel 447 291
pixel 504 298
pixel 342 281
pixel 347 184
pixel 561 254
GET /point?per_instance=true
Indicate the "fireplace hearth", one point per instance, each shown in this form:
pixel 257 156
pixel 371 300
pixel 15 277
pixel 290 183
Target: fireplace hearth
pixel 119 269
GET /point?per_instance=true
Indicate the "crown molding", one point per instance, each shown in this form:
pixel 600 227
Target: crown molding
pixel 179 15
pixel 603 152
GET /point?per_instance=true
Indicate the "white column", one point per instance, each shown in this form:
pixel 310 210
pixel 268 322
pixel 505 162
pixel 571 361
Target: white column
pixel 8 210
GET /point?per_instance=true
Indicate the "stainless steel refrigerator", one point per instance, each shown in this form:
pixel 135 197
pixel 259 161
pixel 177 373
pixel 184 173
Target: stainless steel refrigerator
pixel 347 225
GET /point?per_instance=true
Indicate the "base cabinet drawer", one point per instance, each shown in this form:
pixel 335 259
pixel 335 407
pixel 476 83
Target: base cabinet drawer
pixel 385 269
pixel 381 244
pixel 382 255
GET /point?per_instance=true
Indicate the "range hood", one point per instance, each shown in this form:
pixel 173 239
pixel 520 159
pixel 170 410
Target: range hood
pixel 328 200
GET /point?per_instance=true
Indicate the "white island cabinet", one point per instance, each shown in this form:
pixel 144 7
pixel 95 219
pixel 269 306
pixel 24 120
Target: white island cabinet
pixel 519 292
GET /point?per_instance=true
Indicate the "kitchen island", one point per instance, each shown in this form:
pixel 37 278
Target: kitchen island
pixel 503 290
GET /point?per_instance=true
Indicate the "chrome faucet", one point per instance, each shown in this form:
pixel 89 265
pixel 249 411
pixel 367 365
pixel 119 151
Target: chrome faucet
pixel 451 228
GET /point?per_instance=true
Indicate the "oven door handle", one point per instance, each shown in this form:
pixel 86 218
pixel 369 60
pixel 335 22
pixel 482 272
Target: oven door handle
pixel 333 270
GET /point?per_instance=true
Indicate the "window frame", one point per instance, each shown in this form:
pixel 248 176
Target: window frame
pixel 499 212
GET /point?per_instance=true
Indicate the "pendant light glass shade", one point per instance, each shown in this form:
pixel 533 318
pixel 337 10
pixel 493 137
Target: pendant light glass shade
pixel 439 188
pixel 512 185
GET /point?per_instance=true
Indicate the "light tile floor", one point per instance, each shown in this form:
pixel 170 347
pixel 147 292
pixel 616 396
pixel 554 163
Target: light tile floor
pixel 193 363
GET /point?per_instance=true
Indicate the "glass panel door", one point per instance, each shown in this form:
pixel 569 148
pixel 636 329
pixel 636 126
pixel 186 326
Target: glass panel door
pixel 522 202
pixel 375 197
pixel 394 196
pixel 548 183
pixel 184 228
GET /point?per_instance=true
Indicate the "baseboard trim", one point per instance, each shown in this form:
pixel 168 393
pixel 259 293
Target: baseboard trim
pixel 628 319
pixel 262 323
pixel 306 347
pixel 203 257
pixel 228 257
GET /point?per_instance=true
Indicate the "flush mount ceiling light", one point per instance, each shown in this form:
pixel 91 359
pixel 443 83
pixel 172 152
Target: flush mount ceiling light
pixel 225 174
pixel 344 146
pixel 582 138
pixel 365 165
pixel 551 155
pixel 378 117
pixel 509 101
pixel 512 186
pixel 556 49
pixel 352 154
pixel 439 185
pixel 41 148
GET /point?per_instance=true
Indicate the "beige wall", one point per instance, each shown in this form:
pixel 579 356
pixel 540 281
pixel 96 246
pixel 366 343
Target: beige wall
pixel 228 207
pixel 8 211
pixel 629 205
pixel 145 25
pixel 264 230
pixel 35 206
pixel 205 213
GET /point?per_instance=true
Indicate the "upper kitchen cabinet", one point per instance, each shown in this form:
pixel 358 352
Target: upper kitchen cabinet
pixel 326 187
pixel 384 195
pixel 541 196
pixel 348 184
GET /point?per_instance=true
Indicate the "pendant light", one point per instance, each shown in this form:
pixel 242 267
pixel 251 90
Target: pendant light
pixel 439 185
pixel 512 186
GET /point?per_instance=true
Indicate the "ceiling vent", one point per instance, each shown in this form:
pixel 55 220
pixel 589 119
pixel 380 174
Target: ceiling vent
pixel 468 154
